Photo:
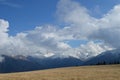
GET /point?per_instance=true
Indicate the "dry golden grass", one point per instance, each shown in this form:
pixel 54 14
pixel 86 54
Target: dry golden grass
pixel 107 72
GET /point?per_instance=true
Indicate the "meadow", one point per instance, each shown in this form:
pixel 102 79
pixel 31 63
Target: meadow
pixel 101 72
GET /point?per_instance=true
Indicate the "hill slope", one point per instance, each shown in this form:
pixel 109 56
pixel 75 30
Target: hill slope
pixel 106 72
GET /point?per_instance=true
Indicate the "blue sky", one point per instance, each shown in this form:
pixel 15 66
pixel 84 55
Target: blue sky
pixel 26 14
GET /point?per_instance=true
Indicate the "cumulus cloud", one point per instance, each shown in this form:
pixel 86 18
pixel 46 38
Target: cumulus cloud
pixel 47 41
pixel 86 51
pixel 50 40
pixel 109 27
pixel 3 32
pixel 77 18
pixel 40 41
pixel 83 26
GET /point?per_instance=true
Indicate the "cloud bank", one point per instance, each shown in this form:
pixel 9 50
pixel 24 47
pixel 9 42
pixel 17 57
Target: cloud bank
pixel 49 40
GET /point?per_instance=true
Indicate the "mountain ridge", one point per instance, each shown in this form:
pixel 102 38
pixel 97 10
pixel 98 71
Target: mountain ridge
pixel 21 63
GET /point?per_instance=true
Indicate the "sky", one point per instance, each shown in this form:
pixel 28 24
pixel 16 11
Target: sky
pixel 78 28
pixel 26 14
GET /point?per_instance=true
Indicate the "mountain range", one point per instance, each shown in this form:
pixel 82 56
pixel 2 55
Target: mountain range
pixel 21 63
pixel 108 57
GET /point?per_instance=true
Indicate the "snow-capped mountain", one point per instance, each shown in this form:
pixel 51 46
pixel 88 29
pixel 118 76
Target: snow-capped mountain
pixel 28 63
pixel 108 57
pixel 18 63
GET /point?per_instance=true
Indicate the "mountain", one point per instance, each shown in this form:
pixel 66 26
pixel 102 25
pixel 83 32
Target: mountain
pixel 57 62
pixel 108 57
pixel 17 64
pixel 21 63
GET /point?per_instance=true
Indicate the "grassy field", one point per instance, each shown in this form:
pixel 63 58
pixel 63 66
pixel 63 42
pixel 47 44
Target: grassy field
pixel 107 72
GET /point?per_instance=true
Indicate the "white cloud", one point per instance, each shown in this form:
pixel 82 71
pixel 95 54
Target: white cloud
pixel 44 40
pixel 77 18
pixel 83 26
pixel 109 27
pixel 3 32
pixel 86 51
pixel 79 25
